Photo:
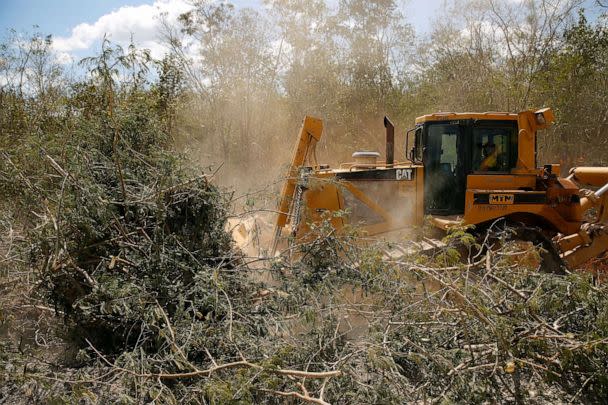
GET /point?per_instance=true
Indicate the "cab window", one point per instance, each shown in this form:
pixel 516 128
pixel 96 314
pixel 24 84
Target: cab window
pixel 442 150
pixel 494 148
pixel 443 165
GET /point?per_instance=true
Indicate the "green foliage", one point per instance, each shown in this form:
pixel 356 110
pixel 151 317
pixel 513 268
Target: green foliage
pixel 128 243
pixel 127 237
pixel 570 82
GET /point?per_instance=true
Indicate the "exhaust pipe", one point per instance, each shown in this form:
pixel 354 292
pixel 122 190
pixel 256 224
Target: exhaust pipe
pixel 390 141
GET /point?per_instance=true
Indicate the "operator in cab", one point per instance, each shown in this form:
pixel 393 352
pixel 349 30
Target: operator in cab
pixel 490 157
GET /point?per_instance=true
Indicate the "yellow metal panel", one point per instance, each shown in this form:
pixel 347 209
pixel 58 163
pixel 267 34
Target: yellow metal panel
pixel 594 176
pixel 367 201
pixel 500 182
pixel 582 254
pixel 395 203
pixel 449 116
pixel 320 201
pixel 480 213
pixel 526 144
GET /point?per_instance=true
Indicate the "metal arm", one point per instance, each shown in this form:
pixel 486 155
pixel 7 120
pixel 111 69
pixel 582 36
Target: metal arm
pixel 592 239
pixel 310 134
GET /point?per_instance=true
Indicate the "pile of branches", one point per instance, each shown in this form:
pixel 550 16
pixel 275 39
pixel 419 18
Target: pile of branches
pixel 486 328
pixel 460 325
pixel 111 265
pixel 131 254
pixel 500 333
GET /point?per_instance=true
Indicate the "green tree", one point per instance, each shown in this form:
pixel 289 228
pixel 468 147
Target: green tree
pixel 575 82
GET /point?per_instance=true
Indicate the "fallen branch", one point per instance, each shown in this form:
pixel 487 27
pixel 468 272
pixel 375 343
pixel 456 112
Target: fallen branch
pixel 295 394
pixel 211 370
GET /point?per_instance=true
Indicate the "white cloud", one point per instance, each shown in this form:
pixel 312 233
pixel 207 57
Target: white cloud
pixel 140 22
pixel 63 58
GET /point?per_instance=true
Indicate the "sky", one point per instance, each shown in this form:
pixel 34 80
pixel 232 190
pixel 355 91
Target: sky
pixel 78 26
pixel 58 17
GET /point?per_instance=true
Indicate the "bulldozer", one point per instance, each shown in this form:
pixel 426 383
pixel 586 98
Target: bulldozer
pixel 460 169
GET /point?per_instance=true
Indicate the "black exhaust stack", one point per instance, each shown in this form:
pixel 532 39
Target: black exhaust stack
pixel 390 141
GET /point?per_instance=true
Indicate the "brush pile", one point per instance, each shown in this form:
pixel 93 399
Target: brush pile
pixel 118 283
pixel 150 302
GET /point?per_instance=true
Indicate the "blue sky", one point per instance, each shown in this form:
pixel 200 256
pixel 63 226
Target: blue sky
pixel 59 17
pixel 56 17
pixel 78 25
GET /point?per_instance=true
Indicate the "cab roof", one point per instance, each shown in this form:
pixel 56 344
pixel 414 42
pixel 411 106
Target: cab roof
pixel 449 116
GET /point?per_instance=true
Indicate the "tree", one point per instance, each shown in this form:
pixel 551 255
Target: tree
pixel 31 85
pixel 489 54
pixel 575 82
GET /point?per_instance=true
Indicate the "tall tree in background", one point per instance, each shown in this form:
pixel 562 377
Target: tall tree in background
pixel 575 82
pixel 31 84
pixel 308 73
pixel 232 71
pixel 488 54
pixel 257 77
pixel 375 41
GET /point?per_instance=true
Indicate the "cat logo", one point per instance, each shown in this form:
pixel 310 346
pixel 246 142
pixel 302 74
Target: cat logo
pixel 502 199
pixel 404 174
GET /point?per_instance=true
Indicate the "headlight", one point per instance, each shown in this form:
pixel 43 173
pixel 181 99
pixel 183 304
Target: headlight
pixel 540 119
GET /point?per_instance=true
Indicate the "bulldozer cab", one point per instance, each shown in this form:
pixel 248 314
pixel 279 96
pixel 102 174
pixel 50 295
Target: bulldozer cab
pixel 452 149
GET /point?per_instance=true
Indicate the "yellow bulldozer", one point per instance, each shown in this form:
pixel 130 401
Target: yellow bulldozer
pixel 460 169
